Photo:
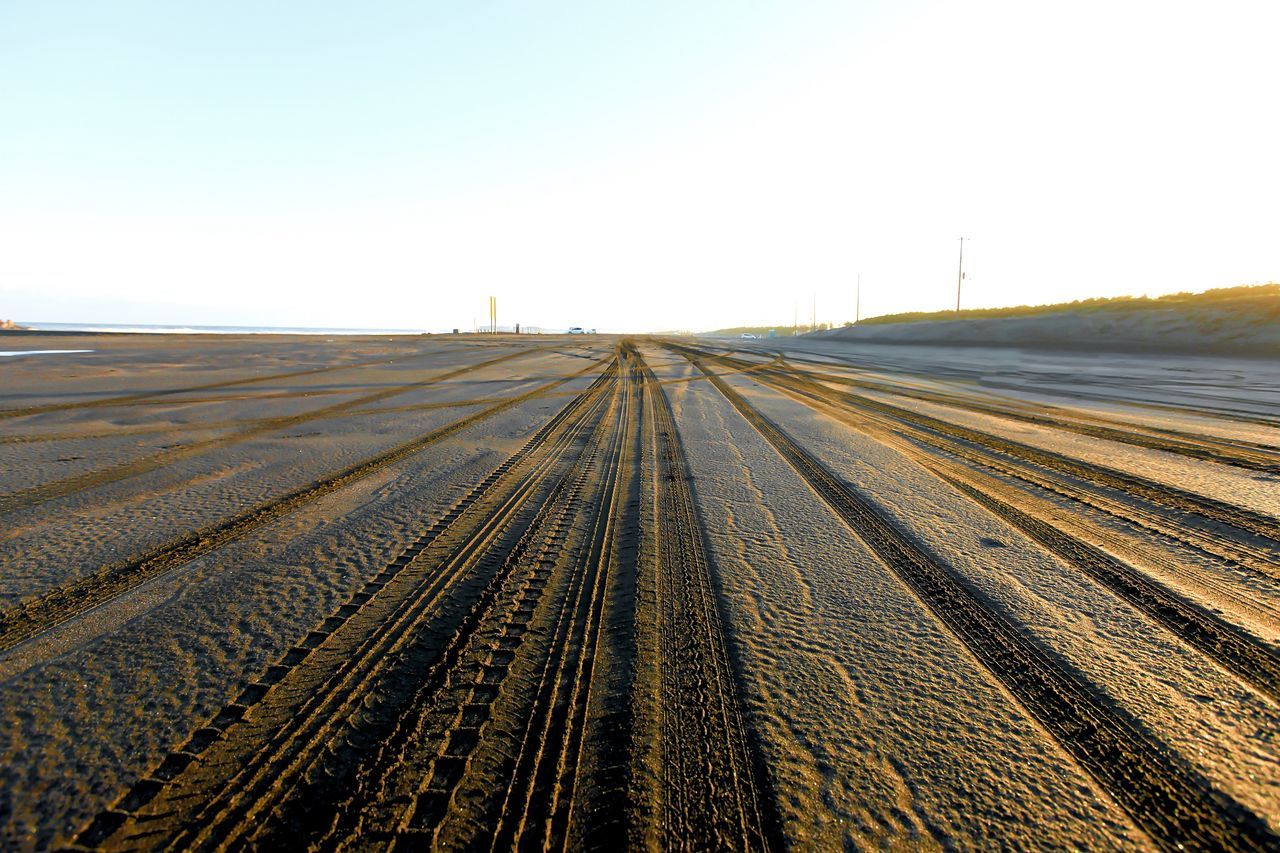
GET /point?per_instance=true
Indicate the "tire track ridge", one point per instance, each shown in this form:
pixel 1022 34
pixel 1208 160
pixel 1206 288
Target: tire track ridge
pixel 292 817
pixel 423 777
pixel 443 767
pixel 1164 795
pixel 593 757
pixel 50 609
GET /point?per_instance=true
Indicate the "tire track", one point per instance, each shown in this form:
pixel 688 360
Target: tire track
pixel 405 792
pixel 210 426
pixel 128 399
pixel 1175 804
pixel 1253 662
pixel 51 609
pixel 345 679
pixel 131 430
pixel 715 794
pixel 1240 454
pixel 1246 520
pixel 401 744
pixel 930 429
pixel 1253 418
pixel 44 492
pixel 1250 661
pixel 1187 533
pixel 401 791
pixel 536 808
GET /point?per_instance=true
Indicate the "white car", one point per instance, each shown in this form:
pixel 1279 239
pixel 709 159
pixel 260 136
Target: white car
pixel 747 336
pixel 576 330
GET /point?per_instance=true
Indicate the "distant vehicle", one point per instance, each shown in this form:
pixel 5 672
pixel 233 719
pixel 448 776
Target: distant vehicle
pixel 576 330
pixel 747 336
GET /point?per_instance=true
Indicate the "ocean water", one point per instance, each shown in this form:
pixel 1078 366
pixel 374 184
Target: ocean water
pixel 17 352
pixel 149 328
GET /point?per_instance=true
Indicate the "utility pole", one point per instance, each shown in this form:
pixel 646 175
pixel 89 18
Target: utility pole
pixel 960 275
pixel 813 324
pixel 795 321
pixel 857 302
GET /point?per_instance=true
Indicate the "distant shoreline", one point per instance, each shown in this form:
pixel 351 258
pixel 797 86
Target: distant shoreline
pixel 177 329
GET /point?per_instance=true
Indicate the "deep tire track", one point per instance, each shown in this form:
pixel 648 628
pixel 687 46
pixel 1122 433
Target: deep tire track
pixel 450 667
pixel 1162 793
pixel 52 608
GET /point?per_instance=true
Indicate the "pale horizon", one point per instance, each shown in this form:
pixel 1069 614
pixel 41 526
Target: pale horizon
pixel 626 169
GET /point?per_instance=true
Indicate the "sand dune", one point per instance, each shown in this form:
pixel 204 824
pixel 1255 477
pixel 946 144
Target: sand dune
pixel 1203 329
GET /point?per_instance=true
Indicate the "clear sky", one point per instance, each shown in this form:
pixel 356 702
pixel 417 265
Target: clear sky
pixel 623 165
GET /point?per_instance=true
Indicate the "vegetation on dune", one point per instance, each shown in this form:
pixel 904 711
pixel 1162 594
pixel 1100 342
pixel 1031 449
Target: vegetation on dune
pixel 763 331
pixel 1259 302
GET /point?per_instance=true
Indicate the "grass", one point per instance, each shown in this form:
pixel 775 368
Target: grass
pixel 763 331
pixel 1260 303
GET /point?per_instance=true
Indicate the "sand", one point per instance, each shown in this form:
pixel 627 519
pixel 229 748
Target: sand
pixel 471 590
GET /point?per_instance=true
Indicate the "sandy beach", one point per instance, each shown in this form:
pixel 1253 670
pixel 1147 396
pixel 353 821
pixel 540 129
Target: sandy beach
pixel 584 591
